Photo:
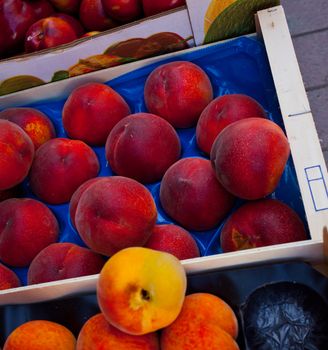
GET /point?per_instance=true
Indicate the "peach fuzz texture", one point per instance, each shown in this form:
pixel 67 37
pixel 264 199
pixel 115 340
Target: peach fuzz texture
pixel 142 146
pixel 261 223
pixel 141 290
pixel 115 213
pixel 59 261
pixel 60 166
pixel 40 335
pixel 249 157
pixel 35 123
pixel 191 195
pixel 91 111
pixel 16 154
pixel 178 92
pixel 26 227
pixel 98 334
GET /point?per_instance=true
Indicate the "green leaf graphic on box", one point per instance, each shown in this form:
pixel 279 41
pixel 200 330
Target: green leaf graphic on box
pixel 19 82
pixel 60 75
pixel 237 19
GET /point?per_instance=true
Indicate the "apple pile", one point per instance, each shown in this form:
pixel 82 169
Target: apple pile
pixel 33 25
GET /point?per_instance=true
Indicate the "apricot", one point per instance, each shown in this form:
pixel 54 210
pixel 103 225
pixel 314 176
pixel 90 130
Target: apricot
pixel 261 223
pixel 26 227
pixel 141 290
pixel 115 213
pixel 221 112
pixel 178 92
pixel 8 278
pixel 40 335
pixel 60 166
pixel 59 261
pixel 191 195
pixel 91 111
pixel 99 334
pixel 205 322
pixel 249 157
pixel 16 154
pixel 35 123
pixel 174 240
pixel 142 146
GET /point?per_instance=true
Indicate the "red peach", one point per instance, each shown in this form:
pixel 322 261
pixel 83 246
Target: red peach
pixel 8 278
pixel 76 25
pixel 221 112
pixel 115 213
pixel 191 194
pixel 26 227
pixel 35 123
pixel 67 6
pixel 42 8
pixel 91 111
pixel 249 157
pixel 16 154
pixel 98 334
pixel 60 166
pixel 123 10
pixel 178 92
pixel 142 146
pixel 261 223
pixel 59 261
pixel 174 240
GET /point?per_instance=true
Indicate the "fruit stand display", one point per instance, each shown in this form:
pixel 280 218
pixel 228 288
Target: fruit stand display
pixel 209 192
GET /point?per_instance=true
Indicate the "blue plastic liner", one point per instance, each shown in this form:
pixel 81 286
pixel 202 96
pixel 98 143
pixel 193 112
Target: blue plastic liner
pixel 237 66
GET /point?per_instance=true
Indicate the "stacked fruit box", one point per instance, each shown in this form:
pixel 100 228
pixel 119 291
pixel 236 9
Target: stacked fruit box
pixel 238 66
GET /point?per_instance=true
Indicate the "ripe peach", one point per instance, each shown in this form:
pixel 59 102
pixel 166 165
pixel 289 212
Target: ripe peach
pixel 205 322
pixel 35 123
pixel 261 223
pixel 98 334
pixel 249 157
pixel 8 278
pixel 26 227
pixel 221 112
pixel 59 261
pixel 178 92
pixel 123 10
pixel 191 194
pixel 75 24
pixel 40 335
pixel 141 290
pixel 115 213
pixel 142 146
pixel 16 154
pixel 174 240
pixel 91 111
pixel 60 166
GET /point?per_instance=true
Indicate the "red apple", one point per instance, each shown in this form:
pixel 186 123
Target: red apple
pixel 79 30
pixel 123 10
pixel 152 7
pixel 67 6
pixel 42 8
pixel 48 32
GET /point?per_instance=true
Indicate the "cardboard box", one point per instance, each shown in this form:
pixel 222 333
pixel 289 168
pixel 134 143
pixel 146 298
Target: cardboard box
pixel 306 153
pixel 86 55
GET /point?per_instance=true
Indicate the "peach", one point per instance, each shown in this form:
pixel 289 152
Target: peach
pixel 178 92
pixel 221 112
pixel 123 10
pixel 98 334
pixel 40 335
pixel 249 157
pixel 115 213
pixel 91 111
pixel 142 146
pixel 174 240
pixel 261 223
pixel 35 123
pixel 77 195
pixel 16 154
pixel 59 261
pixel 205 322
pixel 8 278
pixel 191 195
pixel 60 166
pixel 141 290
pixel 26 227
